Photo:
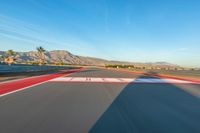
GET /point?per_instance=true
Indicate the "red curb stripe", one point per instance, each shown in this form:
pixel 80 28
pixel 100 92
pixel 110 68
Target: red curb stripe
pixel 8 87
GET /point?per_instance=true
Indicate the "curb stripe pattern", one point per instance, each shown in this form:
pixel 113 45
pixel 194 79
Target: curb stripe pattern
pixel 120 80
pixel 8 87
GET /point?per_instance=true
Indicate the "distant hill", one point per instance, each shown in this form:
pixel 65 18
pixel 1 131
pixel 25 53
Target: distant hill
pixel 69 58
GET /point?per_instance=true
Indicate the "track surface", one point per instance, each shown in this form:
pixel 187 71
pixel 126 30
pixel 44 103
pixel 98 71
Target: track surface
pixel 64 107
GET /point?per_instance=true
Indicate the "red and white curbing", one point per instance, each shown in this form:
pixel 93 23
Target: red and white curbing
pixel 21 84
pixel 120 80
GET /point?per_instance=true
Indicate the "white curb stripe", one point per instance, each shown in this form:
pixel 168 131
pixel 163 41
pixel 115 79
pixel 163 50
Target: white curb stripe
pixel 118 80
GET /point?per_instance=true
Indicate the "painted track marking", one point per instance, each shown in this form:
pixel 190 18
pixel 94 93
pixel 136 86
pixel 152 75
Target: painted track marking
pixel 18 85
pixel 119 80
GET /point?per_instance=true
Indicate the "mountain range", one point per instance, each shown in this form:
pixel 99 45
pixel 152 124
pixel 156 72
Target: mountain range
pixel 69 58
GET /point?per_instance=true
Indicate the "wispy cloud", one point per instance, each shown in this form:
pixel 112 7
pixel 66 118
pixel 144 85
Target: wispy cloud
pixel 15 28
pixel 16 24
pixel 20 30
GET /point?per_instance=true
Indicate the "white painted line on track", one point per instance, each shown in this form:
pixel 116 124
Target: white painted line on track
pixel 118 80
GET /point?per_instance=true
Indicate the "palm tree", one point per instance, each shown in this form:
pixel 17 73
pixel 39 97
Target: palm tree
pixel 10 57
pixel 41 55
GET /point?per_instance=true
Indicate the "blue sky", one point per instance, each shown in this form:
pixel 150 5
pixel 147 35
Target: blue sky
pixel 126 30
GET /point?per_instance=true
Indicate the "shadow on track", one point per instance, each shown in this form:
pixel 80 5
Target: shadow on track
pixel 151 108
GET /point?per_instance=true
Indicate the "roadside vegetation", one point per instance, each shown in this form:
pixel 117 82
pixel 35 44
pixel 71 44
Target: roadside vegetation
pixel 149 67
pixel 124 66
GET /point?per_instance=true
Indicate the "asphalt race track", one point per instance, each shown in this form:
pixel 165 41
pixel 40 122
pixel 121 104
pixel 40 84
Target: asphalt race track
pixel 102 101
